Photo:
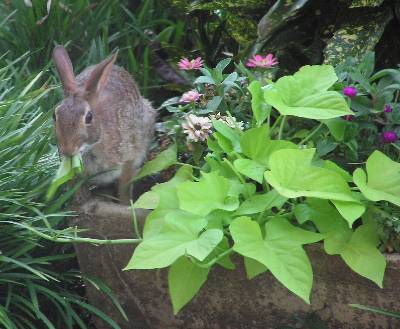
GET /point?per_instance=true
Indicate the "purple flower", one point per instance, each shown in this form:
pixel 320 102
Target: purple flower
pixel 350 91
pixel 260 61
pixel 349 117
pixel 191 96
pixel 387 108
pixel 389 137
pixel 194 64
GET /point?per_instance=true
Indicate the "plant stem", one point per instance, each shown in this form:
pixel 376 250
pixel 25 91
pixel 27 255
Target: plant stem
pixel 187 164
pixel 238 176
pixel 135 223
pixel 307 138
pixel 283 122
pixel 216 259
pixel 276 122
pixel 397 147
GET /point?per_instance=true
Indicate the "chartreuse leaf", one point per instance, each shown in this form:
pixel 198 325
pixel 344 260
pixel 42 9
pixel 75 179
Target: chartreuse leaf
pixel 163 199
pixel 305 94
pixel 148 200
pixel 280 251
pixel 293 175
pixel 337 127
pixel 330 223
pixel 316 77
pixel 225 261
pixel 163 195
pixel 257 145
pixel 333 166
pixel 302 213
pixel 229 133
pixel 184 281
pixel 179 236
pixel 162 161
pixel 261 202
pixel 251 169
pixel 211 192
pixel 358 249
pixel 383 181
pixel 351 211
pixel 260 109
pixel 253 267
pixel 221 142
pixel 69 167
pixel 362 255
pixel 218 218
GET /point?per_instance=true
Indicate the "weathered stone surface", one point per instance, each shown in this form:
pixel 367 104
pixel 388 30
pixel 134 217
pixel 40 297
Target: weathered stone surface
pixel 228 300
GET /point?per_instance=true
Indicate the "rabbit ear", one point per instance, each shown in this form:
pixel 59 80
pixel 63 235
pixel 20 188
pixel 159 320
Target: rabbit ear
pixel 65 70
pixel 99 76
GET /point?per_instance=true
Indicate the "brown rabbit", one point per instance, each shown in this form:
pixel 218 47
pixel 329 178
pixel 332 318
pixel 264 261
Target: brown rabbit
pixel 104 117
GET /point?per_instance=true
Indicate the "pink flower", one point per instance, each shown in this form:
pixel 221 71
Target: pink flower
pixel 349 117
pixel 190 96
pixel 350 91
pixel 194 64
pixel 260 61
pixel 389 137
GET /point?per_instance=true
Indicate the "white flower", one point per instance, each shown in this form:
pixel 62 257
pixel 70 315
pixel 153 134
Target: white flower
pixel 230 121
pixel 197 128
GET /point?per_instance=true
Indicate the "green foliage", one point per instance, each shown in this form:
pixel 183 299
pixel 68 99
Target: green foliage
pixel 382 182
pixel 69 167
pixel 280 250
pixel 264 198
pixel 305 94
pixel 303 199
pixel 164 160
pixel 358 249
pixel 179 236
pixel 258 105
pixel 197 198
pixel 184 281
pixel 91 31
pixel 293 175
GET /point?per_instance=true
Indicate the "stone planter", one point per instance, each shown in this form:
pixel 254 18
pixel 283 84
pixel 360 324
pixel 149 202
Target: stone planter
pixel 228 300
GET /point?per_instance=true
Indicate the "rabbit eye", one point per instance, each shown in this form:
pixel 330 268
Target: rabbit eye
pixel 88 118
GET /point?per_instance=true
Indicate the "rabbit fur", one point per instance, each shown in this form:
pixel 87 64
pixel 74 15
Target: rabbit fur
pixel 104 117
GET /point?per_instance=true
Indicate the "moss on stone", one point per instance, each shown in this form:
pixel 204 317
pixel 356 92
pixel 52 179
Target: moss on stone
pixel 357 36
pixel 243 28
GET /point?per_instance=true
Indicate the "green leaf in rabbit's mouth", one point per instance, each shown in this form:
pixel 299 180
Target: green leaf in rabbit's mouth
pixel 69 167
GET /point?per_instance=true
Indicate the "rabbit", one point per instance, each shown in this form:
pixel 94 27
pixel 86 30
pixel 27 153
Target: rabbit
pixel 104 117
